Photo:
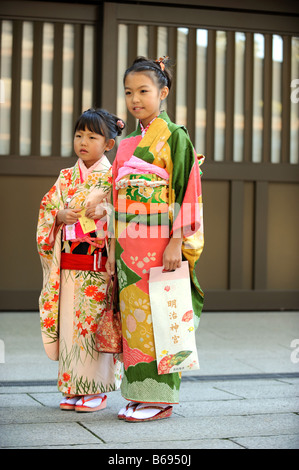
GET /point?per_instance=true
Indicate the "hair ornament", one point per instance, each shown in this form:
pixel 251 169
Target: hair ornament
pixel 160 62
pixel 120 124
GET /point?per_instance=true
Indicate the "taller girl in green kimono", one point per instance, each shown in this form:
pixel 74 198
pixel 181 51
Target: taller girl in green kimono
pixel 156 172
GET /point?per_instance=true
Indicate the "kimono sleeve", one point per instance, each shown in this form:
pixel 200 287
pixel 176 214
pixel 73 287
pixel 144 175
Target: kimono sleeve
pixel 48 245
pixel 185 185
pixel 46 226
pixel 188 210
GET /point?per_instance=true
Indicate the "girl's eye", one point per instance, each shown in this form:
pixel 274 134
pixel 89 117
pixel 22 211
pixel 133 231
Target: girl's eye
pixel 143 91
pixel 128 93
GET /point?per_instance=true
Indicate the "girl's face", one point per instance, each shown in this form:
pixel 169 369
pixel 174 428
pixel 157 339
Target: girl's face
pixel 143 97
pixel 90 146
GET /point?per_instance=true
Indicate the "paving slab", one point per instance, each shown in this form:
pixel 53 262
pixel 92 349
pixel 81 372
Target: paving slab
pixel 198 428
pixel 239 407
pixel 18 400
pixel 270 442
pixel 49 434
pixel 168 448
pixel 260 389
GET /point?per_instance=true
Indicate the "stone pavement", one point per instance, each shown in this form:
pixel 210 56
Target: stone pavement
pixel 245 396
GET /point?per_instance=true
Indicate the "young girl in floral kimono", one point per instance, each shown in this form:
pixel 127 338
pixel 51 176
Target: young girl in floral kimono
pixel 156 171
pixel 72 241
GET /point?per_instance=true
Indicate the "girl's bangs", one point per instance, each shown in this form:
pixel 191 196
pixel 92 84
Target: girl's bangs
pixel 91 122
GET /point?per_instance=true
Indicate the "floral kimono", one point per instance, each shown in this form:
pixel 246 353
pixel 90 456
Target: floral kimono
pixel 156 191
pixel 74 282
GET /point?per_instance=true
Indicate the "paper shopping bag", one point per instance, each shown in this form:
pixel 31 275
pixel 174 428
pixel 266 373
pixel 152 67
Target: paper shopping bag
pixel 172 317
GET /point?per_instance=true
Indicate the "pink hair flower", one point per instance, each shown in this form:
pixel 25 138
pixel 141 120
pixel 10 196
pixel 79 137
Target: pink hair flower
pixel 120 124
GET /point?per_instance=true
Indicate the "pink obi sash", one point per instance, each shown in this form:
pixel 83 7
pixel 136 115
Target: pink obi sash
pixel 137 166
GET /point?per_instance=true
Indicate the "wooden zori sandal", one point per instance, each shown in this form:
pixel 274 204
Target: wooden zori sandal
pixel 69 403
pixel 91 403
pixel 127 410
pixel 147 412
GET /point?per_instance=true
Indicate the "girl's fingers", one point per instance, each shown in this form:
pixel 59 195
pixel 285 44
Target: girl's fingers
pixel 72 216
pixel 90 214
pixel 110 269
pixel 172 265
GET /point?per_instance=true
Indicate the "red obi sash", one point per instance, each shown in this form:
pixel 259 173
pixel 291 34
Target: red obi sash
pixel 94 262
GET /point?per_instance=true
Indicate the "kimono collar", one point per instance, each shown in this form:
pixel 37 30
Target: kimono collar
pixel 85 172
pixel 144 129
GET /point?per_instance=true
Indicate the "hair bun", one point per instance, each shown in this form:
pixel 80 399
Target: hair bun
pixel 161 62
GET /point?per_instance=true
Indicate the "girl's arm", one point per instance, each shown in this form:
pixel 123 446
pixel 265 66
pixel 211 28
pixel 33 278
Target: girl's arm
pixel 95 204
pixel 97 198
pixel 110 264
pixel 172 256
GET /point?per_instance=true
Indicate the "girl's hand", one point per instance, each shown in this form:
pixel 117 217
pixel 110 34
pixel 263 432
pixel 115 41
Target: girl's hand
pixel 172 256
pixel 110 264
pixel 67 216
pixel 94 210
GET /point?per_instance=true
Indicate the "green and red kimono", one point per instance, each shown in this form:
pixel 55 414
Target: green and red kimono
pixel 156 191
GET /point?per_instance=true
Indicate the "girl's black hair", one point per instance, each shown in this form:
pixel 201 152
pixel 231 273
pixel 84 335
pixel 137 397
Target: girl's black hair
pixel 101 122
pixel 142 64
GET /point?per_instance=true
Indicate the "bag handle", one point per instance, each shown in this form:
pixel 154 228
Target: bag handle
pixel 114 277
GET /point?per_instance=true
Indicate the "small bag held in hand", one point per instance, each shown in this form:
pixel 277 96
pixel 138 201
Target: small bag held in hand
pixel 173 319
pixel 108 338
